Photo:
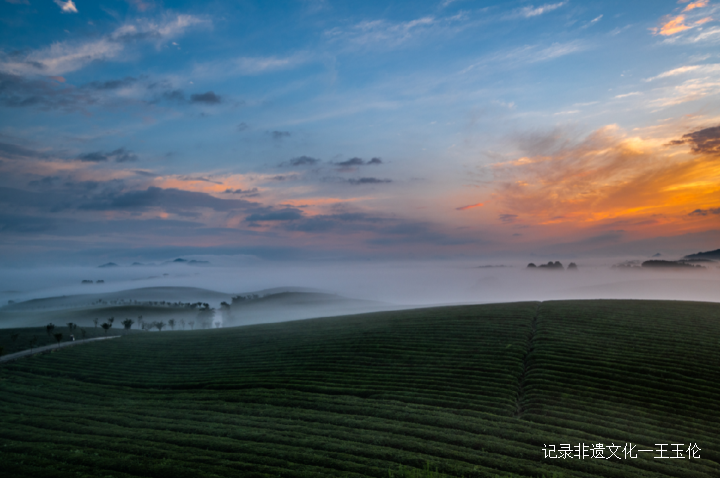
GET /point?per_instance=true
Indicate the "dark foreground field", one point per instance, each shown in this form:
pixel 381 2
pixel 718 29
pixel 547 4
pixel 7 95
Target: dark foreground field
pixel 472 390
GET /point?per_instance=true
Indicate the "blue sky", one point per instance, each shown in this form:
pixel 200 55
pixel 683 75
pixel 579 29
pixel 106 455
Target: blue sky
pixel 138 129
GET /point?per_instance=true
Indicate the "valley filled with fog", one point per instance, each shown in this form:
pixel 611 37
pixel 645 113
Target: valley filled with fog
pixel 289 291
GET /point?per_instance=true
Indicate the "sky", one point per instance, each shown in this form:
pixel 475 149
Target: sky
pixel 340 130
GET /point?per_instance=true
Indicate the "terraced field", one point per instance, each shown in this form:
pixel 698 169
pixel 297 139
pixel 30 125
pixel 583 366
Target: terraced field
pixel 472 390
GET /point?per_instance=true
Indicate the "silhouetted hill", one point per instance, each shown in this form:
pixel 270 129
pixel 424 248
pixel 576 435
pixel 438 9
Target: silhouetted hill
pixel 713 255
pixel 670 265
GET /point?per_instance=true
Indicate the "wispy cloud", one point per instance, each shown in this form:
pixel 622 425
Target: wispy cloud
pixel 694 5
pixel 688 19
pixel 251 65
pixel 532 11
pixel 64 57
pixel 385 34
pixel 709 35
pixel 593 21
pixel 447 3
pixel 690 90
pixel 471 206
pixel 673 26
pixel 141 5
pixel 634 93
pixel 674 72
pixel 684 84
pixel 529 54
pixel 67 7
pixel 381 31
pixel 254 65
pixel 702 69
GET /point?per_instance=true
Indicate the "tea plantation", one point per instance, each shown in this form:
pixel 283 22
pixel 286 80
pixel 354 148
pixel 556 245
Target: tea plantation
pixel 473 391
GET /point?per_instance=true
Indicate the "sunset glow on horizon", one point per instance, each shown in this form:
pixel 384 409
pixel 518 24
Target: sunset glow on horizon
pixel 331 129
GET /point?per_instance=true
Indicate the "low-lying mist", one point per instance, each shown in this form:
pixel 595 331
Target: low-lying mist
pixel 400 284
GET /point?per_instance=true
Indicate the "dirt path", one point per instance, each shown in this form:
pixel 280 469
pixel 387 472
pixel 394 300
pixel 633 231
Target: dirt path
pixel 47 348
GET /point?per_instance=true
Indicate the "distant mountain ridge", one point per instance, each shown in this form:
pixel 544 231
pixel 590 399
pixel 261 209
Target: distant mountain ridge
pixel 714 255
pixel 179 260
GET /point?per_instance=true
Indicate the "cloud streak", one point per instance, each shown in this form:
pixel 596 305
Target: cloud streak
pixel 65 57
pixel 471 206
pixel 532 11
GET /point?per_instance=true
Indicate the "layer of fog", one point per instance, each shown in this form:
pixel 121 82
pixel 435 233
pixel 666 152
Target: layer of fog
pixel 401 283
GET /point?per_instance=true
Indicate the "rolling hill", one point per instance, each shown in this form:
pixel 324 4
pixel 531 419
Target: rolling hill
pixel 282 306
pixel 474 391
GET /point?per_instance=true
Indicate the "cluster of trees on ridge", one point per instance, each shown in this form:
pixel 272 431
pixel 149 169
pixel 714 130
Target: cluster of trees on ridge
pixel 557 265
pixel 153 303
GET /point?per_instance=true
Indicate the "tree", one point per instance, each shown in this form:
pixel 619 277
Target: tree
pixel 106 326
pixel 96 321
pixel 217 325
pixel 71 326
pixel 58 338
pixel 171 323
pixel 111 320
pixel 49 328
pixel 182 322
pixel 225 312
pixel 82 331
pixel 159 325
pixel 192 325
pixel 128 323
pixel 205 316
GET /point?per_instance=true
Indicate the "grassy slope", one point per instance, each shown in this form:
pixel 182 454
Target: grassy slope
pixel 26 334
pixel 476 390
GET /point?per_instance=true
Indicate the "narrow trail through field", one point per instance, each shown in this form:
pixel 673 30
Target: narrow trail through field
pixel 48 348
pixel 520 406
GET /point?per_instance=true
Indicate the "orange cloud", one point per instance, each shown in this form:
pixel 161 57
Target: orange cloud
pixel 59 79
pixel 703 20
pixel 694 5
pixel 676 25
pixel 465 208
pixel 609 177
